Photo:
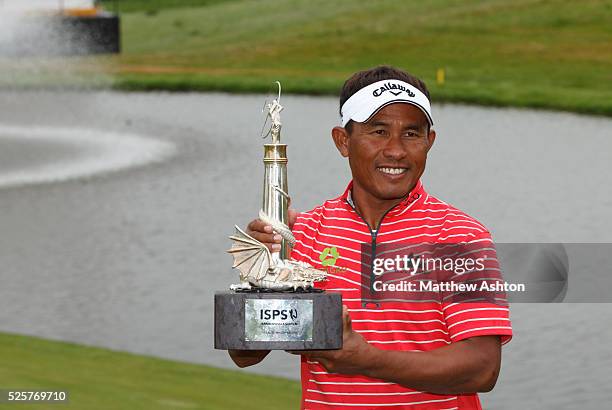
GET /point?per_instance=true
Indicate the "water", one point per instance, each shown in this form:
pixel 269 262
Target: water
pixel 32 155
pixel 128 256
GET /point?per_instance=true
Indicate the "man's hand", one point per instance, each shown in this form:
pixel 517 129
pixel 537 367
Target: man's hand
pixel 468 366
pixel 354 356
pixel 261 231
pixel 246 358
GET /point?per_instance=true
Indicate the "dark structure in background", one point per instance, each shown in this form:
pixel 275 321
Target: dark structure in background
pixel 97 34
pixel 66 32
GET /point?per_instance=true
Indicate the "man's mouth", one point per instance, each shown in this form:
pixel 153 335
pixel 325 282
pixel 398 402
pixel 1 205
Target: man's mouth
pixel 392 170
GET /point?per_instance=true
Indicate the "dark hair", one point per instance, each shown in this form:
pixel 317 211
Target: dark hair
pixel 366 77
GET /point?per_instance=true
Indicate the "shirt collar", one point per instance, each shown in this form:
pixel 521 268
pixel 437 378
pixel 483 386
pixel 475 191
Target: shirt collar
pixel 412 200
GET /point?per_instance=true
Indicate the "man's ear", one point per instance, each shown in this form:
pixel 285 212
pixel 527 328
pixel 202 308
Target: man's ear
pixel 431 137
pixel 340 136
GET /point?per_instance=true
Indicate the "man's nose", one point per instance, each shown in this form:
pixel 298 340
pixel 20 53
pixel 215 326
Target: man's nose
pixel 394 148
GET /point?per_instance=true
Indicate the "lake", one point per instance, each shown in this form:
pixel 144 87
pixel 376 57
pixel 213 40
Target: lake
pixel 115 210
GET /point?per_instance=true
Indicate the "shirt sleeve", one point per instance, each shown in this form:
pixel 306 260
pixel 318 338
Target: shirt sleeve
pixel 490 315
pixel 468 319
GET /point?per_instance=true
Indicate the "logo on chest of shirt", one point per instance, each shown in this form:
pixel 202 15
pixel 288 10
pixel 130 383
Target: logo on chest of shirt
pixel 328 259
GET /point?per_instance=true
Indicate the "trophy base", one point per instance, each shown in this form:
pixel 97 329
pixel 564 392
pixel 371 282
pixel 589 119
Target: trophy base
pixel 278 321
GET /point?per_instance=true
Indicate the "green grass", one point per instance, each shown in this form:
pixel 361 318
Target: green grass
pixel 531 53
pixel 152 6
pixel 103 379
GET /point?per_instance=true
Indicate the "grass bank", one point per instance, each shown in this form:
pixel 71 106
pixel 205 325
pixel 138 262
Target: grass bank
pixel 103 379
pixel 529 53
pixel 153 6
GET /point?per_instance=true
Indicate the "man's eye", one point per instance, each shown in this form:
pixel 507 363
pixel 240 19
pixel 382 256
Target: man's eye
pixel 379 132
pixel 412 134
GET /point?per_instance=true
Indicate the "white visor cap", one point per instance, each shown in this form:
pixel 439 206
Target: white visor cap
pixel 366 102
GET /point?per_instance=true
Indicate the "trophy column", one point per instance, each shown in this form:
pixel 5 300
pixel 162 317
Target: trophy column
pixel 275 189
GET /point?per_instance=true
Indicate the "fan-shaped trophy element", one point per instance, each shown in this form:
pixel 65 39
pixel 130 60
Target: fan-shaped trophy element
pixel 258 269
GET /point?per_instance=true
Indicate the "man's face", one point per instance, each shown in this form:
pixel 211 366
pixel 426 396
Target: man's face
pixel 387 154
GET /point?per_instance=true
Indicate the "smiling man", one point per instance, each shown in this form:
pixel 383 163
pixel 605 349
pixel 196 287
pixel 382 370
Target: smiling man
pixel 396 354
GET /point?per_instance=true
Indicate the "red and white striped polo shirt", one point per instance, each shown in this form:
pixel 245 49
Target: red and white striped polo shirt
pixel 416 326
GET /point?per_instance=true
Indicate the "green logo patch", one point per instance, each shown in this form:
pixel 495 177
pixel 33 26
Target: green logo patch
pixel 329 256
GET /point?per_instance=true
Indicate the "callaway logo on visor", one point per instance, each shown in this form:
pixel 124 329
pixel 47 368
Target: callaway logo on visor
pixel 393 88
pixel 371 98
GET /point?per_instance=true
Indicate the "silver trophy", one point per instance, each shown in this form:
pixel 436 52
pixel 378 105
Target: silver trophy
pixel 258 267
pixel 275 305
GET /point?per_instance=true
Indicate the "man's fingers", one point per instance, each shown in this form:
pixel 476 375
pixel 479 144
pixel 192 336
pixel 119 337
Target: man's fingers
pixel 257 225
pixel 263 232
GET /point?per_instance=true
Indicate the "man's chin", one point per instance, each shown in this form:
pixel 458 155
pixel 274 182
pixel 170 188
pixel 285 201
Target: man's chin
pixel 397 190
pixel 393 195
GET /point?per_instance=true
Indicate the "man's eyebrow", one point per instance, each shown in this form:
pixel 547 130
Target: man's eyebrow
pixel 415 126
pixel 411 126
pixel 376 123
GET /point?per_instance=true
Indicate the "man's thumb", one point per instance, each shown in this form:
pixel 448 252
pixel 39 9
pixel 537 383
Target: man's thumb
pixel 346 319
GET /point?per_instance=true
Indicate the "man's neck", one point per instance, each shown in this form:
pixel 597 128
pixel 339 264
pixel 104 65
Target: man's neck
pixel 370 208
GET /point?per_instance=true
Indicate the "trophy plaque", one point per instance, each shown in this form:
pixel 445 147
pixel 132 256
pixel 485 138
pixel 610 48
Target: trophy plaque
pixel 276 305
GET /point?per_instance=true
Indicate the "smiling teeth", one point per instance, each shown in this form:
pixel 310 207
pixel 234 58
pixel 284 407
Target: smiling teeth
pixel 393 171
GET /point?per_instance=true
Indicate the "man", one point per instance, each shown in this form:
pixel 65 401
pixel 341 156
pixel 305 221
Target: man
pixel 398 355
